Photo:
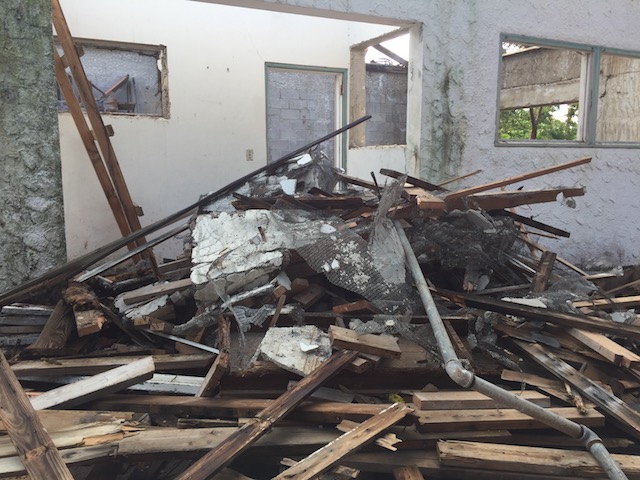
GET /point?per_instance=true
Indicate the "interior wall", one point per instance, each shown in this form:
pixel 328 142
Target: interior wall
pixel 216 59
pixel 460 45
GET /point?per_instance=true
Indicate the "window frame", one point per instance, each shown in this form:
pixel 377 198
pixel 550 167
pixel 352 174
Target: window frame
pixel 588 95
pixel 163 72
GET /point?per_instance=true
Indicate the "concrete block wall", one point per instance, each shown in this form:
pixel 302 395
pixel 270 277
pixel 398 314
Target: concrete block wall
pixel 300 108
pixel 387 104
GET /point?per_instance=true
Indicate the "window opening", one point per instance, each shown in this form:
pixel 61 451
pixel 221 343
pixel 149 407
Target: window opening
pixel 540 92
pixel 125 79
pixel 379 86
pixel 557 91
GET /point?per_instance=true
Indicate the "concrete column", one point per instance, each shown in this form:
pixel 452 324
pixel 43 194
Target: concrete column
pixel 31 212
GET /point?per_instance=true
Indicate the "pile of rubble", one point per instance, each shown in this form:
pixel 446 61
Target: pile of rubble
pixel 297 337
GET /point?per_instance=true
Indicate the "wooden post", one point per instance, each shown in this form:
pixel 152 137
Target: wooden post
pixel 221 364
pixel 543 272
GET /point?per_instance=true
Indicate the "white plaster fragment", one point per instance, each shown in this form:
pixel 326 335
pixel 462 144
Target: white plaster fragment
pixel 327 229
pixel 308 347
pixel 304 159
pixel 531 302
pixel 289 186
pixel 147 308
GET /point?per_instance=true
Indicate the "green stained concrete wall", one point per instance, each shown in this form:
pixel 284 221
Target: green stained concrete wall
pixel 31 211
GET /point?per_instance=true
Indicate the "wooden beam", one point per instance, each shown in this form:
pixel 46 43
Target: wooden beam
pixel 628 417
pixel 532 223
pixel 542 314
pixel 150 292
pixel 102 383
pixel 612 351
pixel 34 445
pixel 515 458
pixel 518 178
pixel 251 431
pixel 492 419
pixel 510 199
pixel 416 182
pixel 221 364
pixel 470 400
pixel 384 345
pixel 93 365
pixel 329 455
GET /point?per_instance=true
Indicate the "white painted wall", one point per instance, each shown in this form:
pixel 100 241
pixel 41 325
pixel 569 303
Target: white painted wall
pixel 217 97
pixel 216 56
pixel 459 69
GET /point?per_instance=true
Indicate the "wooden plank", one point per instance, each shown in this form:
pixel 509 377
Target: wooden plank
pixel 95 119
pixel 533 223
pixel 612 351
pixel 458 344
pixel 509 181
pixel 244 437
pixel 428 463
pixel 417 182
pixel 609 303
pixel 309 296
pixel 102 383
pixel 384 345
pixel 220 365
pixel 93 365
pixel 628 417
pixel 60 420
pixel 208 407
pixel 543 272
pixel 510 199
pixel 358 306
pixel 426 200
pixel 90 146
pixel 407 473
pixel 66 438
pixel 552 387
pixel 515 458
pixel 11 467
pixel 491 419
pixel 34 445
pixel 470 400
pixel 328 456
pixel 56 332
pixel 534 313
pixel 149 292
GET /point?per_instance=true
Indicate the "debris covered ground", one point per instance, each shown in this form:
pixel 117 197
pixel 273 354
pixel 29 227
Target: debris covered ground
pixel 291 341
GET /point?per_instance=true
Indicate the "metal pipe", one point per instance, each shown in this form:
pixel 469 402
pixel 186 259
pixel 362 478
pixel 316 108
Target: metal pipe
pixel 466 379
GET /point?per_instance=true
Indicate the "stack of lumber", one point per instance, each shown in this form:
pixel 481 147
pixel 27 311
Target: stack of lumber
pixel 121 370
